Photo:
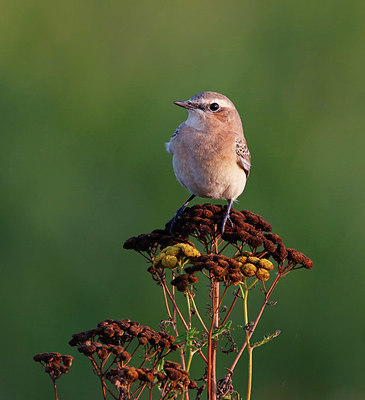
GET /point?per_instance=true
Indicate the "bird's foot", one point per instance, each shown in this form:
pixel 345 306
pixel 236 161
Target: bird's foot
pixel 178 214
pixel 172 221
pixel 226 219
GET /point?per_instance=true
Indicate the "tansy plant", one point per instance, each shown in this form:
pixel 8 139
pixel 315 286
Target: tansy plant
pixel 189 266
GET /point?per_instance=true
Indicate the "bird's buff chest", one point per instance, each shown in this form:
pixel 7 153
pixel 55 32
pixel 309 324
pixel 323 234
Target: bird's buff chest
pixel 207 166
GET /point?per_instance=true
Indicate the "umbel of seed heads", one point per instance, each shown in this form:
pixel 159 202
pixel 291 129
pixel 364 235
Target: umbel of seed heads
pixel 111 335
pixel 110 339
pixel 55 365
pixel 203 222
pixel 173 377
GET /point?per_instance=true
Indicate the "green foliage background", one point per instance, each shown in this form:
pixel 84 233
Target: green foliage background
pixel 86 106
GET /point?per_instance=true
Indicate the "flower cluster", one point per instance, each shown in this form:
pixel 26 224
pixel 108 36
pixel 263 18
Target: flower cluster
pixel 183 281
pixel 251 266
pixel 203 223
pixel 52 363
pixel 225 269
pixel 149 242
pixel 172 378
pixel 112 336
pixel 222 268
pixel 174 256
pixel 295 257
pixel 109 342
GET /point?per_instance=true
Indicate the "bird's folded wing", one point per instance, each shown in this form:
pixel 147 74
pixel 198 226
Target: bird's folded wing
pixel 243 155
pixel 167 145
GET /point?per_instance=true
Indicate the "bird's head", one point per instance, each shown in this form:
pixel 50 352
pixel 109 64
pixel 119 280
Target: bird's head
pixel 209 110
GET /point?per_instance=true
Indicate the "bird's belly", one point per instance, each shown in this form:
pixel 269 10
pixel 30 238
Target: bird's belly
pixel 216 180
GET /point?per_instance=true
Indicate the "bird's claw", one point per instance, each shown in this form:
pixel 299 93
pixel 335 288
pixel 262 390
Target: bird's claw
pixel 226 219
pixel 172 221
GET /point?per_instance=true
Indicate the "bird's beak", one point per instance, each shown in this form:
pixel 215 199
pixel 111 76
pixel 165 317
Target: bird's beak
pixel 184 104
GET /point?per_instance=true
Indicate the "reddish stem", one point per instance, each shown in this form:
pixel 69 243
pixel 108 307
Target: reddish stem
pixel 215 341
pixel 230 309
pixel 55 387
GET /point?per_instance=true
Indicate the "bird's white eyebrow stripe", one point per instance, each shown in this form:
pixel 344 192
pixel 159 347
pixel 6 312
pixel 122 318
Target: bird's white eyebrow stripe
pixel 220 102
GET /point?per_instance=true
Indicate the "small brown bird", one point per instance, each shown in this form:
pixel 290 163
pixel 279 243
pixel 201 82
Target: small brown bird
pixel 210 154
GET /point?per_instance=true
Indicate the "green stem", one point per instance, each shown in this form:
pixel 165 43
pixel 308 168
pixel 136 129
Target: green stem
pixel 189 308
pixel 252 284
pixel 249 348
pixel 191 354
pixel 249 384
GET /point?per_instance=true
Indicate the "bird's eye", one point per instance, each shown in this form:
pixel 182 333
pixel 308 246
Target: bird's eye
pixel 214 106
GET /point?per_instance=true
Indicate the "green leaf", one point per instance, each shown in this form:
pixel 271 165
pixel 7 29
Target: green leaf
pixel 266 339
pixel 188 336
pixel 227 326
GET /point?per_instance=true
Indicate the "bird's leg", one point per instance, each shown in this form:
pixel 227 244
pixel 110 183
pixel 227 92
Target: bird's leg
pixel 226 216
pixel 179 212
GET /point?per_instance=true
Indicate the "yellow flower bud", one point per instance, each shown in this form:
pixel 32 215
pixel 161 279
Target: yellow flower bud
pixel 248 269
pixel 188 250
pixel 241 259
pixel 169 262
pixel 267 264
pixel 158 259
pixel 262 274
pixel 253 260
pixel 172 250
pixel 246 253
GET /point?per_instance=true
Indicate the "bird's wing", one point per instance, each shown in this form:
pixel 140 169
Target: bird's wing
pixel 168 144
pixel 243 155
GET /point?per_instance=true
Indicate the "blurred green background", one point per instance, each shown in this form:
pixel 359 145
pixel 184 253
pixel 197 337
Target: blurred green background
pixel 86 91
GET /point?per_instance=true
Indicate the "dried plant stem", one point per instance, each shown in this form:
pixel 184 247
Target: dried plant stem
pixel 215 341
pixel 55 388
pixel 224 247
pixel 212 344
pixel 230 309
pixel 181 351
pixel 139 394
pixel 197 312
pixel 176 308
pixel 221 300
pixel 167 304
pixel 181 317
pixel 100 374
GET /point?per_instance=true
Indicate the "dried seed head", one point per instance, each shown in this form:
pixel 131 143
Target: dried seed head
pixel 67 360
pixel 192 385
pixel 181 282
pixel 235 277
pixel 131 373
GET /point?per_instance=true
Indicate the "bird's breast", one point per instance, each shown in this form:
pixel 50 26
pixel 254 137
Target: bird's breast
pixel 206 164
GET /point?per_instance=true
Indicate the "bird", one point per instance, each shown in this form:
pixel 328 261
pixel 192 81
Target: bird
pixel 210 155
